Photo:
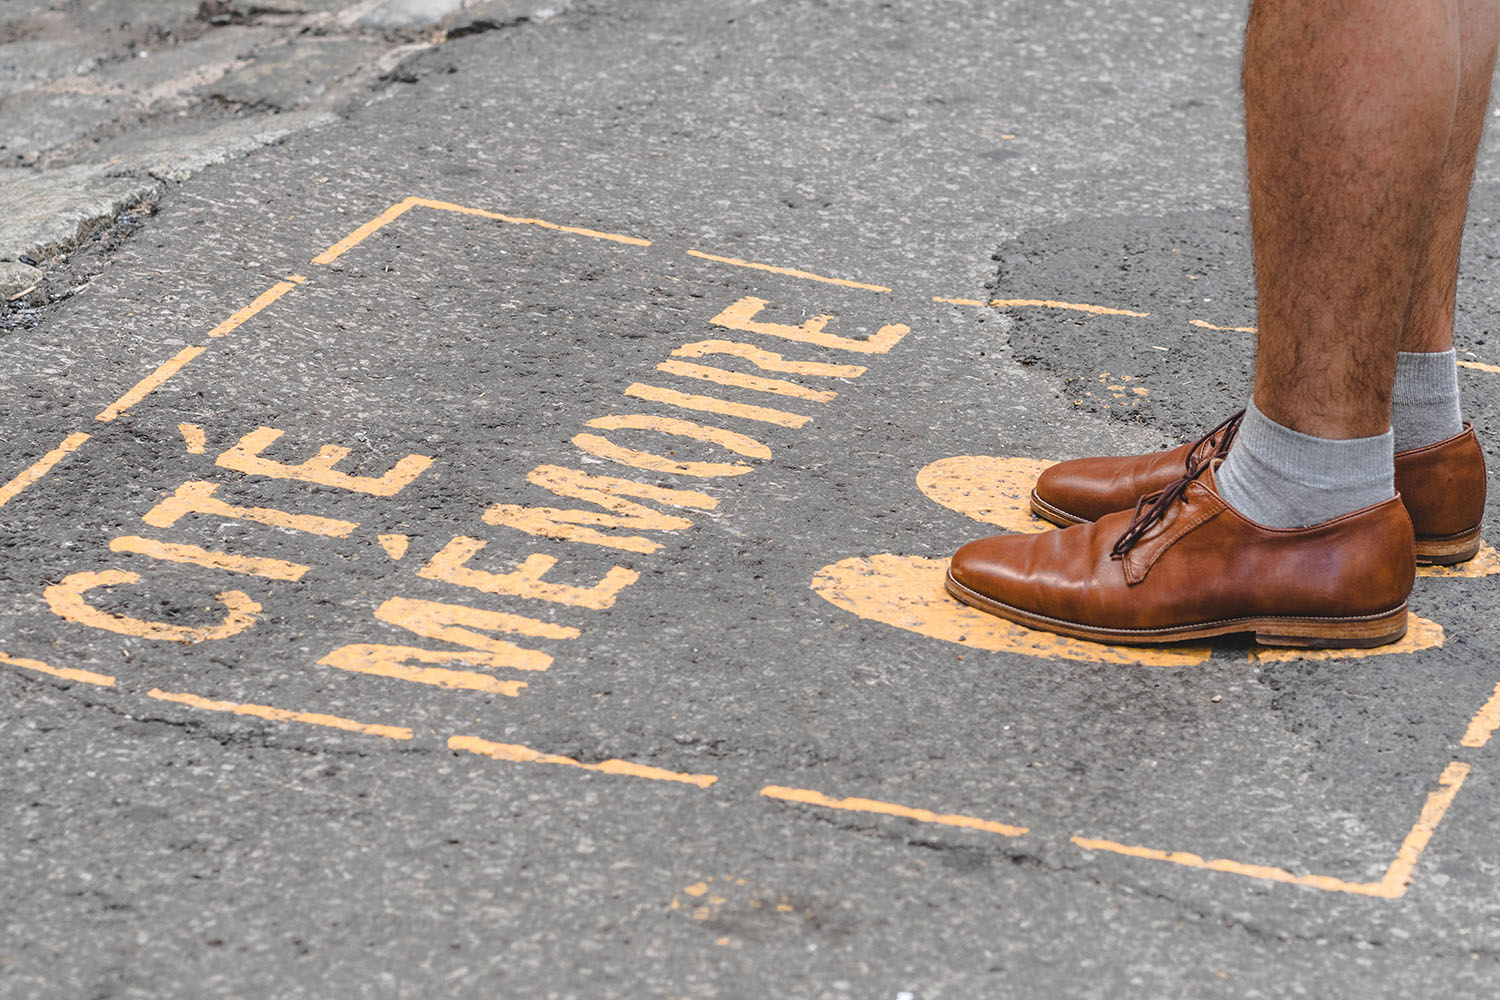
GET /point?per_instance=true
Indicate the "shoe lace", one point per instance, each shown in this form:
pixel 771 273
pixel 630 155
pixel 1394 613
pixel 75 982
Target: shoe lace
pixel 1212 446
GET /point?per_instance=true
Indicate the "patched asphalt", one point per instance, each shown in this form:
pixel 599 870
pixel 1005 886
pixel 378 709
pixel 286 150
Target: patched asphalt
pixel 761 766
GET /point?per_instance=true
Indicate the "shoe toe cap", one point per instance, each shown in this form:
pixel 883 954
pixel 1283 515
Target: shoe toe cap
pixel 989 566
pixel 1083 488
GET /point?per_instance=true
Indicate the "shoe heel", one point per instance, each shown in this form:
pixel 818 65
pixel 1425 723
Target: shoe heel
pixel 1316 633
pixel 1448 551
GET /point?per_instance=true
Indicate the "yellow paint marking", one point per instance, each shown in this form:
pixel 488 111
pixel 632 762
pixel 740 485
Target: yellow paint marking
pixel 741 316
pixel 197 497
pixel 1041 304
pixel 788 271
pixel 696 889
pixel 1484 723
pixel 400 208
pixel 712 404
pixel 194 438
pixel 359 235
pixel 988 488
pixel 767 360
pixel 1071 306
pixel 383 660
pixel 775 386
pixel 394 545
pixel 271 569
pixel 66 599
pixel 64 673
pixel 262 301
pixel 149 384
pixel 41 467
pixel 245 457
pixel 297 279
pixel 1226 329
pixel 1480 366
pixel 602 447
pixel 1399 875
pixel 460 625
pixel 175 364
pixel 450 565
pixel 605 492
pixel 1392 885
pixel 906 592
pixel 1421 634
pixel 446 206
pixel 808 797
pixel 1188 860
pixel 526 755
pixel 282 715
pixel 455 623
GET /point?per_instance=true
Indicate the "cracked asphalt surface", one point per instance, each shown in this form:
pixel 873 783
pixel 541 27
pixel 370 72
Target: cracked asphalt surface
pixel 366 785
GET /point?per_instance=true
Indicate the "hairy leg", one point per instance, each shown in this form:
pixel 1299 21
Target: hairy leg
pixel 1429 316
pixel 1348 109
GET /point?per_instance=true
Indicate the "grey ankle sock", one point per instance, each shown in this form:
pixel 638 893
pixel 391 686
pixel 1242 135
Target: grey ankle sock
pixel 1424 401
pixel 1283 478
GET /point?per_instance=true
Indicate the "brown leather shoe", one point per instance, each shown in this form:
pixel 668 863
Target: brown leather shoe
pixel 1189 566
pixel 1442 486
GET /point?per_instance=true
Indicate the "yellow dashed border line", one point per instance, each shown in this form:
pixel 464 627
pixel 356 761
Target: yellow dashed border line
pixel 517 754
pixel 806 796
pixel 271 714
pixel 1392 885
pixel 41 467
pixel 64 673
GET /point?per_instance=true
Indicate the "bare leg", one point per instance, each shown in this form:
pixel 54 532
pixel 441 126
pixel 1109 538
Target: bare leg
pixel 1429 318
pixel 1349 105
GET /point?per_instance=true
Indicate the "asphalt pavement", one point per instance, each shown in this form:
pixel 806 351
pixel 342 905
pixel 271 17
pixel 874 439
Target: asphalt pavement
pixel 490 545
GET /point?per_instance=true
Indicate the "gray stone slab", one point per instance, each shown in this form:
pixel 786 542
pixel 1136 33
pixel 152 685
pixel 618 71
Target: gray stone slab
pixel 14 13
pixel 28 64
pixel 175 152
pixel 410 13
pixel 168 73
pixel 240 10
pixel 56 208
pixel 17 278
pixel 293 74
pixel 132 13
pixel 489 14
pixel 34 122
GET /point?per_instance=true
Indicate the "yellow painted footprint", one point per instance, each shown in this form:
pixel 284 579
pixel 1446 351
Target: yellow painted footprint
pixel 906 592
